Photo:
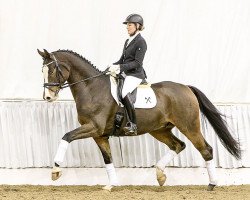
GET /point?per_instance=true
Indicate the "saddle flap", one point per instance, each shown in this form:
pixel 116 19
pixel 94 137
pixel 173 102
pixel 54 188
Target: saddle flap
pixel 145 96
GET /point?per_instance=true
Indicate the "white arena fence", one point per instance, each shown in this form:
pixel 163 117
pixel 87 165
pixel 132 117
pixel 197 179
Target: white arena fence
pixel 30 132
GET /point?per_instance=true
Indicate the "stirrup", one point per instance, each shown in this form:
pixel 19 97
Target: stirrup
pixel 130 129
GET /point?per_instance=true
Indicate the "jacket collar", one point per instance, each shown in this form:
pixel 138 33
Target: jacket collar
pixel 135 37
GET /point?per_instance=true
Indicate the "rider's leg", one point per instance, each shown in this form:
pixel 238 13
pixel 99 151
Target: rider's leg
pixel 130 128
pixel 130 84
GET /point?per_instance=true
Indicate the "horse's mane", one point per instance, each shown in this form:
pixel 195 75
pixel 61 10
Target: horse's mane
pixel 79 56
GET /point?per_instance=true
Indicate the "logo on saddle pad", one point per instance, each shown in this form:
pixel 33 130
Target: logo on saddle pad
pixel 145 96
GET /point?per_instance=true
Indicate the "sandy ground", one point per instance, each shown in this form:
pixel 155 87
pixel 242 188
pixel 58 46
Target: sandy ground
pixel 8 192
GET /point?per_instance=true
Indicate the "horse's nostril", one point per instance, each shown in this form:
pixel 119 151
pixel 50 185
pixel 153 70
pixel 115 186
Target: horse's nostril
pixel 48 98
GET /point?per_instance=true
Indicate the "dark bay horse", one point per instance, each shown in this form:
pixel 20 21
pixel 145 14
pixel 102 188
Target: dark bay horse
pixel 177 106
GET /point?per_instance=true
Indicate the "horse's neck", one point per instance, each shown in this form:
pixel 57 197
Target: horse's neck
pixel 85 90
pixel 81 70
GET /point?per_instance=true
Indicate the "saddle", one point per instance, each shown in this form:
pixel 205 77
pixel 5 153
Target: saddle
pixel 142 97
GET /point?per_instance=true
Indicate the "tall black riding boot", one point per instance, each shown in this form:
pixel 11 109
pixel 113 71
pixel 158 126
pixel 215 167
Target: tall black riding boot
pixel 130 128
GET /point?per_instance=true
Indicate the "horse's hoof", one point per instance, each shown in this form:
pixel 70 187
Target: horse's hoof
pixel 161 177
pixel 210 187
pixel 108 188
pixel 56 173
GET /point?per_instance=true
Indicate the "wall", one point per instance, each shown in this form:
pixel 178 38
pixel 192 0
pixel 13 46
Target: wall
pixel 30 132
pixel 197 42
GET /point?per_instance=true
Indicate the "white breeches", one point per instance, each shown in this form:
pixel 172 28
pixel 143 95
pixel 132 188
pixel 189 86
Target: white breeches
pixel 130 84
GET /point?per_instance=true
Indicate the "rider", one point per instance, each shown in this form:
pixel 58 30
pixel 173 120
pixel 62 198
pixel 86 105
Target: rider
pixel 130 67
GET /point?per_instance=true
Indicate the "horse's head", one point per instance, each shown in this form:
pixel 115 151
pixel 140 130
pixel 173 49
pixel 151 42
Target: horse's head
pixel 55 74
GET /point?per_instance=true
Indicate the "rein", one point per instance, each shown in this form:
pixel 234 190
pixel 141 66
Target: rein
pixel 65 85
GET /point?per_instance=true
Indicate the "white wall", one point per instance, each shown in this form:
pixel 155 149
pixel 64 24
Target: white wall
pixel 199 42
pixel 30 132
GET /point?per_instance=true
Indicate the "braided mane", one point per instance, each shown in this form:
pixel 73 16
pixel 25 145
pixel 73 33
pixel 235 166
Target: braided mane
pixel 79 56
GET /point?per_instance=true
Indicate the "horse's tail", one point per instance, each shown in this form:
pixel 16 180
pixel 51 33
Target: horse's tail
pixel 218 123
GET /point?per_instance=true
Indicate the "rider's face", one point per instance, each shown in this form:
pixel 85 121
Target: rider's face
pixel 131 28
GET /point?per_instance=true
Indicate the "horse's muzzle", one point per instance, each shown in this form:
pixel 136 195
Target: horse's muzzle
pixel 49 96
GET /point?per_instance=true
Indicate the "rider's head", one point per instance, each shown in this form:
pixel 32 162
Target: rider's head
pixel 134 23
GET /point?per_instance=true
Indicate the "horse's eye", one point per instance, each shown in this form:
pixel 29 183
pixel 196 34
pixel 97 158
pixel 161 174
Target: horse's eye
pixel 51 70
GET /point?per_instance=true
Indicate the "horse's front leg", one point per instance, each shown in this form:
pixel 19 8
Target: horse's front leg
pixel 84 131
pixel 104 147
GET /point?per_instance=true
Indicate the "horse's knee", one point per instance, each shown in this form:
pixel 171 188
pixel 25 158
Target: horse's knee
pixel 181 147
pixel 67 137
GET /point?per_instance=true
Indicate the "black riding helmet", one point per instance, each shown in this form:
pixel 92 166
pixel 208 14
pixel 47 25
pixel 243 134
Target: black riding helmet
pixel 134 18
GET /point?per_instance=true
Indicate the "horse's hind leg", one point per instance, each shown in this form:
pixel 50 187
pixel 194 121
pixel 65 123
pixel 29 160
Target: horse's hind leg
pixel 165 136
pixel 104 147
pixel 193 133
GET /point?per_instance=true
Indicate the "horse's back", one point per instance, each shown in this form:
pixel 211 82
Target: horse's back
pixel 173 89
pixel 176 99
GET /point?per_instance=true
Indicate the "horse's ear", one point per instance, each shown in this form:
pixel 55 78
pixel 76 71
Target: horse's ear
pixel 44 54
pixel 47 55
pixel 41 53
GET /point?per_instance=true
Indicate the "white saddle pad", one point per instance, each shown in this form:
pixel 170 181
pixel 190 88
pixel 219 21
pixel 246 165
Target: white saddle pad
pixel 145 96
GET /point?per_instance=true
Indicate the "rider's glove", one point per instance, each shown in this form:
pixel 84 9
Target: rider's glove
pixel 113 69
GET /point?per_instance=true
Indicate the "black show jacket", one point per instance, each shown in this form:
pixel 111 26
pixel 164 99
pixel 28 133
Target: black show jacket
pixel 131 61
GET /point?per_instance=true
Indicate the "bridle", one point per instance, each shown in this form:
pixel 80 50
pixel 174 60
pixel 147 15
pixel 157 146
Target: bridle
pixel 60 78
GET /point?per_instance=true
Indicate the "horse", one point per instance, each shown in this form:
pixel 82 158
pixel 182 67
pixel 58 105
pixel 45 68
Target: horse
pixel 177 105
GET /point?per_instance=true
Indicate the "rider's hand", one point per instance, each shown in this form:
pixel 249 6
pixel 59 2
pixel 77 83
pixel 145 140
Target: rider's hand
pixel 106 71
pixel 114 69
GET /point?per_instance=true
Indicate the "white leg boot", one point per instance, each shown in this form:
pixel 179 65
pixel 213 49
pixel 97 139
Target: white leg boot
pixel 113 180
pixel 212 174
pixel 161 164
pixel 56 171
pixel 63 146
